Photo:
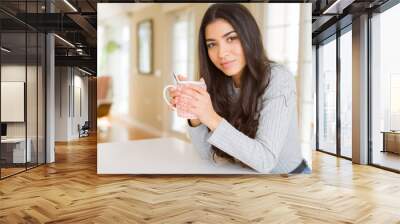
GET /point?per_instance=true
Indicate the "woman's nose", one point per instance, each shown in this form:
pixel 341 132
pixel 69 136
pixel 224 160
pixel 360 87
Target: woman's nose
pixel 223 51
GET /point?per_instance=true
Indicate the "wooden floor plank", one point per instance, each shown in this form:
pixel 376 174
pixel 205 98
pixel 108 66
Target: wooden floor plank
pixel 70 191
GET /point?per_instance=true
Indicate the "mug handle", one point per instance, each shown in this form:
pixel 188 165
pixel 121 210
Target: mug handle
pixel 165 95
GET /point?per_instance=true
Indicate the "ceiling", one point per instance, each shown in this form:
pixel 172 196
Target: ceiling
pixel 76 22
pixel 332 15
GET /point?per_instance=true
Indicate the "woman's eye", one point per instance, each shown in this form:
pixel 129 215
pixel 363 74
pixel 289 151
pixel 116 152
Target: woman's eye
pixel 230 39
pixel 210 45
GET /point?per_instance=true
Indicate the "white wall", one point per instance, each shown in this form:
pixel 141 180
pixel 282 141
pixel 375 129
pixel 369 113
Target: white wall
pixel 33 126
pixel 14 73
pixel 61 103
pixel 70 83
pixel 80 94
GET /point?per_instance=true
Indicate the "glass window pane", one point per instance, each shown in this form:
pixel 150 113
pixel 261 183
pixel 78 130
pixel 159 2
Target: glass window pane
pixel 346 94
pixel 31 97
pixel 13 86
pixel 41 99
pixel 182 56
pixel 22 90
pixel 386 89
pixel 327 97
pixel 281 38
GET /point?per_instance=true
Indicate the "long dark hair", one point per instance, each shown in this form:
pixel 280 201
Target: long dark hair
pixel 242 113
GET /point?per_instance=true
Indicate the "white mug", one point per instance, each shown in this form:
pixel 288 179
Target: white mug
pixel 180 107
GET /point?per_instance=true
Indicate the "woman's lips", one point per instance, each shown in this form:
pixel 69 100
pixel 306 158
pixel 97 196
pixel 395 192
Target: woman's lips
pixel 227 64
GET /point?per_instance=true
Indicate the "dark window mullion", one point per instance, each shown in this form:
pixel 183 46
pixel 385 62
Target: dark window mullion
pixel 369 96
pixel 26 87
pixel 37 91
pixel 338 92
pixel 0 96
pixel 317 95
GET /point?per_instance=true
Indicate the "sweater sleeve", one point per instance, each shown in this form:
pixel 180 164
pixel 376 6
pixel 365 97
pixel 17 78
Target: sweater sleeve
pixel 262 152
pixel 199 136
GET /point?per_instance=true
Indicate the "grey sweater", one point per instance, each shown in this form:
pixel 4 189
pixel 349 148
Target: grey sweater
pixel 276 147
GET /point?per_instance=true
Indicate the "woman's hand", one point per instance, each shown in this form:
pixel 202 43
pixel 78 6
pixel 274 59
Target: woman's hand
pixel 200 105
pixel 175 94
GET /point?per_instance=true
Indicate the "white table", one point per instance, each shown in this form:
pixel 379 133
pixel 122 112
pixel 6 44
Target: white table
pixel 19 155
pixel 158 156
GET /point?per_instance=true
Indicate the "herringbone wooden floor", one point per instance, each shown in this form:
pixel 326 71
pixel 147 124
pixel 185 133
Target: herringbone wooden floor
pixel 70 191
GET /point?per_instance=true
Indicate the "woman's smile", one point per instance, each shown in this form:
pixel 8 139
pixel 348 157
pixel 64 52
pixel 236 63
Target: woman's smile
pixel 228 64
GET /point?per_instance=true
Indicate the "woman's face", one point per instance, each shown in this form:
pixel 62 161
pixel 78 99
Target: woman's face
pixel 224 47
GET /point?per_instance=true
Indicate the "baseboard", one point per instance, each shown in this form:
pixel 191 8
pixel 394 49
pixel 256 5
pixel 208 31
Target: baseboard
pixel 145 127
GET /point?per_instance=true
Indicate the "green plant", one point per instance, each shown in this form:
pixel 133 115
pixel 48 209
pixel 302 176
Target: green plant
pixel 111 47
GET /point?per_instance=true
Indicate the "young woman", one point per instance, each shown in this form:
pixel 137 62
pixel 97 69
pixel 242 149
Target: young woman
pixel 248 112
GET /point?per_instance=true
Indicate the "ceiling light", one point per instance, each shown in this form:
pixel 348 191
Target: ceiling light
pixel 337 7
pixel 86 72
pixel 5 50
pixel 64 40
pixel 79 51
pixel 70 5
